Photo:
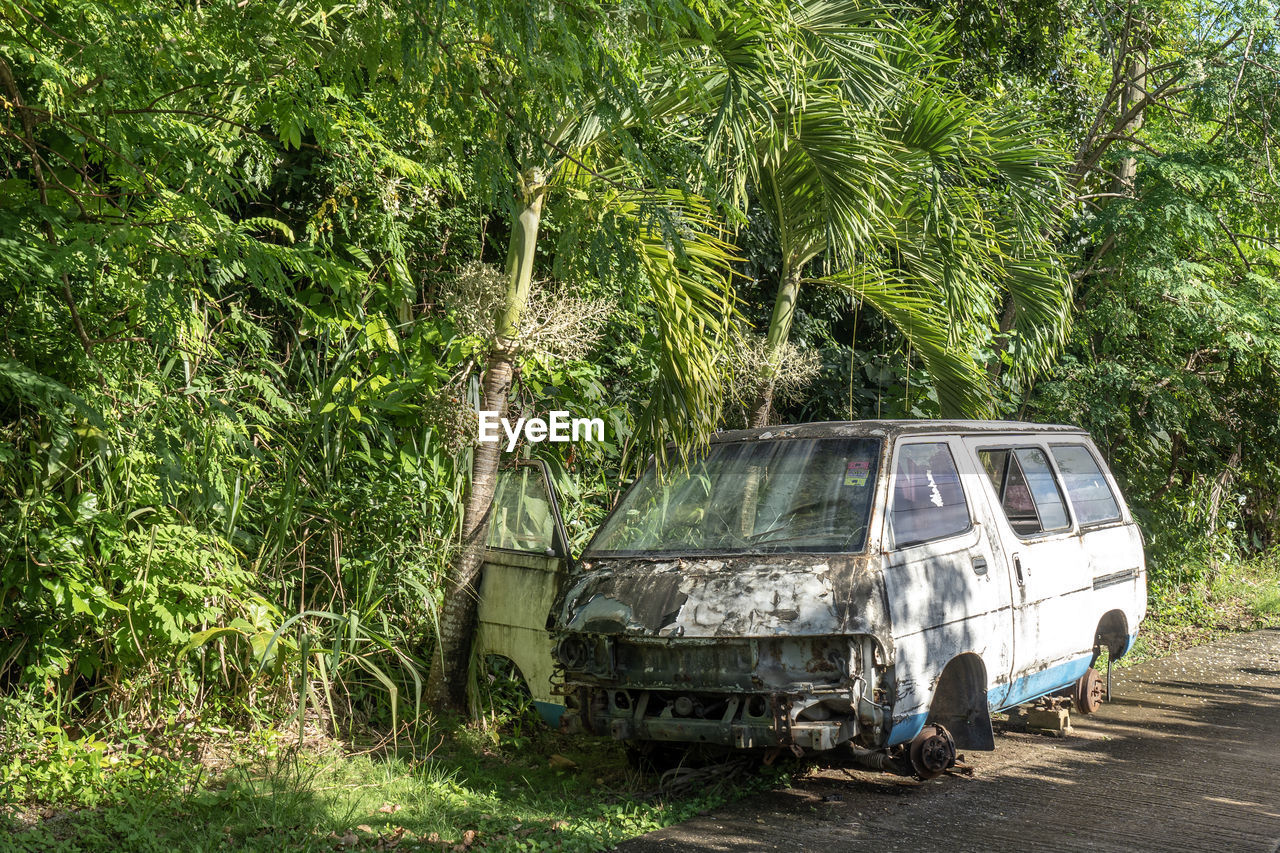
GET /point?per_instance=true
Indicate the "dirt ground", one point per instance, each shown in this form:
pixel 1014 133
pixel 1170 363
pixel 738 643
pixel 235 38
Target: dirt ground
pixel 1186 756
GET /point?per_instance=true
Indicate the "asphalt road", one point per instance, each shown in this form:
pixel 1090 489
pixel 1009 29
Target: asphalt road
pixel 1186 756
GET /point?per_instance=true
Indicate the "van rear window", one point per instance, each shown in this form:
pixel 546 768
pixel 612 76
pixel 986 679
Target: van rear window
pixel 1027 489
pixel 750 497
pixel 1086 486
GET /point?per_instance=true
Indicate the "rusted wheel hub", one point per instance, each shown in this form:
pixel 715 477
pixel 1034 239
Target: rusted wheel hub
pixel 1088 694
pixel 933 751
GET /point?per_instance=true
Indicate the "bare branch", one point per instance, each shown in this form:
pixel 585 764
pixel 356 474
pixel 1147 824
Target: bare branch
pixel 1248 267
pixel 1098 255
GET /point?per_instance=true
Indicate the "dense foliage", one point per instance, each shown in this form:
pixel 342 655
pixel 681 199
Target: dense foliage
pixel 251 267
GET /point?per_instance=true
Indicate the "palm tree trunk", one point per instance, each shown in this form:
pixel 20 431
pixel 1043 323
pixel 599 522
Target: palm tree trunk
pixel 784 309
pixel 447 683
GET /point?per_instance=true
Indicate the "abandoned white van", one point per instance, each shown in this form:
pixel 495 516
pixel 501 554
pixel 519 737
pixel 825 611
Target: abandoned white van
pixel 874 588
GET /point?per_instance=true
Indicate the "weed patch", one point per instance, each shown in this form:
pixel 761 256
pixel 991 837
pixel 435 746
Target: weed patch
pixel 476 789
pixel 1242 596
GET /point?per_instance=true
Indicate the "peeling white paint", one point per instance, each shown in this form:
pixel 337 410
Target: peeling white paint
pixel 759 600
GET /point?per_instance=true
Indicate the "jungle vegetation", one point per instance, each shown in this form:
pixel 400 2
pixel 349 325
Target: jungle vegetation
pixel 260 264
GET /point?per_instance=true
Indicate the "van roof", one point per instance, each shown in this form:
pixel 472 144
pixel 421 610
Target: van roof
pixel 891 428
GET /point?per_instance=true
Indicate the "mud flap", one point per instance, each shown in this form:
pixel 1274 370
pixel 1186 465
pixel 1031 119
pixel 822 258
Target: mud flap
pixel 971 730
pixel 960 704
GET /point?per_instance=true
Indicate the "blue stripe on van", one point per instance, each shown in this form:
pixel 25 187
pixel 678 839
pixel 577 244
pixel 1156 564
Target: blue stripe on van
pixel 550 712
pixel 906 729
pixel 1046 681
pixel 1022 690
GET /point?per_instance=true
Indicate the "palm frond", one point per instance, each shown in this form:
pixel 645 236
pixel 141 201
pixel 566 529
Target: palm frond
pixel 823 179
pixel 1041 297
pixel 977 220
pixel 688 267
pixel 960 383
pixel 853 43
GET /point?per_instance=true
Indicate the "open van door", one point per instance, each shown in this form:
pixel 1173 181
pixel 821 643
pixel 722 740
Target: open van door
pixel 526 561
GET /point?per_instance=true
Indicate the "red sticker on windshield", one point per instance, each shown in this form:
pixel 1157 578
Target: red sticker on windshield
pixel 856 473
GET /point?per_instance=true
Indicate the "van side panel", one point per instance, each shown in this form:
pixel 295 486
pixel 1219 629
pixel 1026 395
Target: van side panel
pixel 941 609
pixel 1053 616
pixel 1064 584
pixel 1115 563
pixel 946 598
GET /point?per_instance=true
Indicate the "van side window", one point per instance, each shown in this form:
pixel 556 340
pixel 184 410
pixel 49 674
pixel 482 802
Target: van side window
pixel 1086 486
pixel 928 501
pixel 1027 488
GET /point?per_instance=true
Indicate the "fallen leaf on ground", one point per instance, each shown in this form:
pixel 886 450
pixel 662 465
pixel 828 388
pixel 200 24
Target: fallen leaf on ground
pixel 392 841
pixel 468 838
pixel 388 808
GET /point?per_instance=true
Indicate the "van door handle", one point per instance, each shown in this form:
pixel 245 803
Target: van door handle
pixel 979 565
pixel 1017 569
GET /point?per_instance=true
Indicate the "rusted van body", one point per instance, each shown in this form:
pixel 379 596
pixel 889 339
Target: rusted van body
pixel 878 587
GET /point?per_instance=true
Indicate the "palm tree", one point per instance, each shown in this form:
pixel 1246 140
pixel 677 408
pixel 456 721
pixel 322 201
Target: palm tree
pixel 929 212
pixel 918 201
pixel 678 243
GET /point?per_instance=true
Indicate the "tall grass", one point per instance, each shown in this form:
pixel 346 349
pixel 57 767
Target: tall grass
pixel 268 532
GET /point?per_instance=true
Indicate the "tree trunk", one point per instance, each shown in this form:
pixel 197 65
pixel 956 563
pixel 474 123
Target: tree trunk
pixel 1216 494
pixel 447 683
pixel 784 309
pixel 1008 316
pixel 1135 87
pixel 1135 90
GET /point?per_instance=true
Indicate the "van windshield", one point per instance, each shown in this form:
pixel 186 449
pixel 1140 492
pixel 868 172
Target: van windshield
pixel 748 497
